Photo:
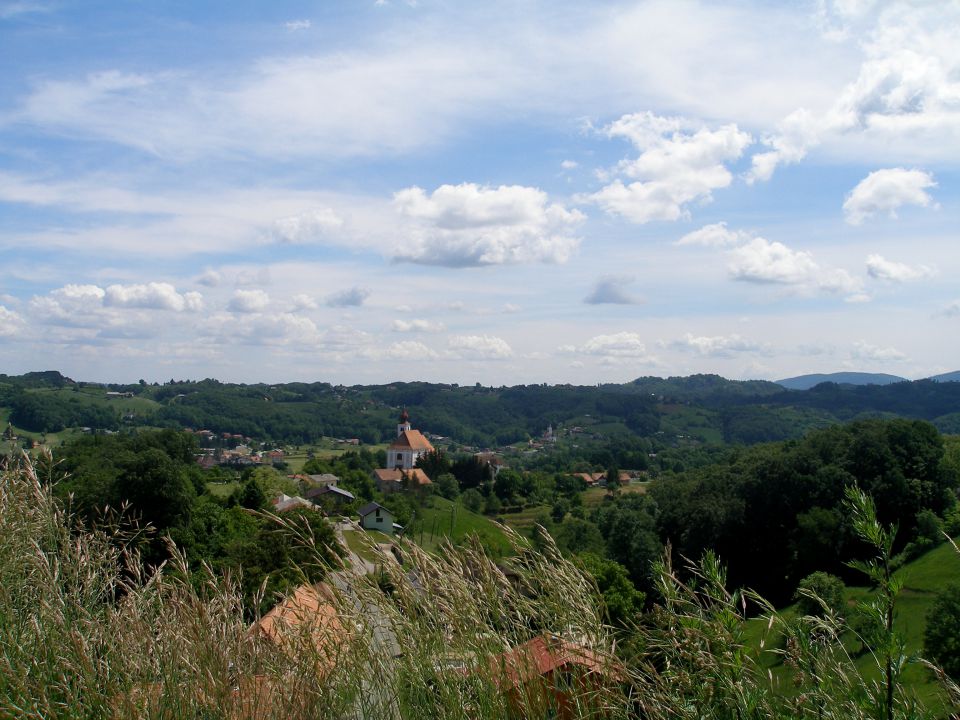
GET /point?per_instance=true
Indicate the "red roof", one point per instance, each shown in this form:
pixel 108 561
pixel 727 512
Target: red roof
pixel 411 440
pixel 544 655
pixel 415 476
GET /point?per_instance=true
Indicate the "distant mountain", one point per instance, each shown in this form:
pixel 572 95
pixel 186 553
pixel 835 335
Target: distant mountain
pixel 947 377
pixel 805 382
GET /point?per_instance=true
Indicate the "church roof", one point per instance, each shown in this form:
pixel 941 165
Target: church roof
pixel 411 440
pixel 415 476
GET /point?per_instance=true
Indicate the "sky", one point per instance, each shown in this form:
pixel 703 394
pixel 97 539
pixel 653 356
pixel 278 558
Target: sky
pixel 496 192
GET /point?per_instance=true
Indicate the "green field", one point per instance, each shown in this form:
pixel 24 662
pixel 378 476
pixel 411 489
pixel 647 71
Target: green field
pixel 923 578
pixel 446 519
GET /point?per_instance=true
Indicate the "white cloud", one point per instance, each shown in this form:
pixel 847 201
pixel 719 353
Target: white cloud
pixel 795 135
pixel 351 297
pixel 210 278
pixel 248 301
pixel 11 323
pixel 417 325
pixel 880 268
pixel 678 164
pixel 480 347
pixel 152 296
pixel 885 191
pixel 618 345
pixel 762 261
pixel 311 226
pixel 295 25
pixel 871 353
pixel 409 350
pixel 612 289
pixel 569 164
pixel 303 301
pixel 470 225
pixel 510 308
pixel 714 235
pixel 254 328
pixel 718 346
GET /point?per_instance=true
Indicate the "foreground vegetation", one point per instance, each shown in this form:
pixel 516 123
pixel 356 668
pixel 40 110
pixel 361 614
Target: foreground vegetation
pixel 86 630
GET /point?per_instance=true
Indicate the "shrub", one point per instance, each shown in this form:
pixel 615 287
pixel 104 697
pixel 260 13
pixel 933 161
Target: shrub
pixel 941 639
pixel 820 592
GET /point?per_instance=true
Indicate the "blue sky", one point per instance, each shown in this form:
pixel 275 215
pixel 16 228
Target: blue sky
pixel 495 192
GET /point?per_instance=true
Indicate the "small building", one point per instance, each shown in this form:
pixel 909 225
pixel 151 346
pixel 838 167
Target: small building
pixel 374 516
pixel 329 493
pixel 392 480
pixel 308 615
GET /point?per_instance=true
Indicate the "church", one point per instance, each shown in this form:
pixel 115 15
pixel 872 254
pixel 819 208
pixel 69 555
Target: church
pixel 402 455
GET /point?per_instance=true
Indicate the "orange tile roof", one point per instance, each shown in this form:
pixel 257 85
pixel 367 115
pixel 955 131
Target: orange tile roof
pixel 544 655
pixel 310 606
pixel 416 476
pixel 412 440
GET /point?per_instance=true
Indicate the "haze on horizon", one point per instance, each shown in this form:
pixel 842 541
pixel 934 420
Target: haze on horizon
pixel 498 192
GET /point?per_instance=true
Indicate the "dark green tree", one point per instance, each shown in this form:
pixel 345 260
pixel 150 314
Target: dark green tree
pixel 941 639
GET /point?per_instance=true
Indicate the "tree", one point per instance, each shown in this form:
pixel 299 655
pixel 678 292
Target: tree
pixel 821 586
pixel 156 487
pixel 472 500
pixel 251 495
pixel 446 485
pixel 622 600
pixel 941 639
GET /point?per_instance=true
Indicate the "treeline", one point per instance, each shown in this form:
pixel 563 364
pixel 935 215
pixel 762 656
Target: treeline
pixel 773 512
pixel 700 406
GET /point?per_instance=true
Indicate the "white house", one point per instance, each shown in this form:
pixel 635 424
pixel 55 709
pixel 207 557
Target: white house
pixel 374 516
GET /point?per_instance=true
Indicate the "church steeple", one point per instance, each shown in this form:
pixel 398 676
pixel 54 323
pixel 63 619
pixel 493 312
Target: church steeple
pixel 404 423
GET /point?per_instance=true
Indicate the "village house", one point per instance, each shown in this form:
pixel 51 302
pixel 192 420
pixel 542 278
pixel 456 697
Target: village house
pixel 331 494
pixel 374 516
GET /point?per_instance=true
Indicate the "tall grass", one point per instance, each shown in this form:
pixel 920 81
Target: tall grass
pixel 86 632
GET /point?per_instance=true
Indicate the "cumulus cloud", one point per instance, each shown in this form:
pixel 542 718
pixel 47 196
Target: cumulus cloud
pixel 907 88
pixel 719 346
pixel 11 323
pixel 252 328
pixel 618 345
pixel 714 235
pixel 210 278
pixel 480 347
pixel 880 268
pixel 469 225
pixel 152 296
pixel 679 163
pixel 307 227
pixel 248 301
pixel 351 297
pixel 795 135
pixel 866 352
pixel 885 191
pixel 409 350
pixel 569 164
pixel 762 261
pixel 612 289
pixel 303 301
pixel 417 325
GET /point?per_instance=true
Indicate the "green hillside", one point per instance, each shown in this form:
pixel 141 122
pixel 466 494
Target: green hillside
pixel 444 520
pixel 923 578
